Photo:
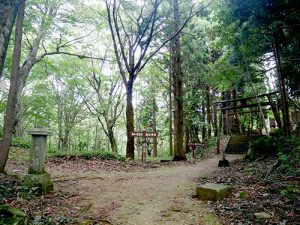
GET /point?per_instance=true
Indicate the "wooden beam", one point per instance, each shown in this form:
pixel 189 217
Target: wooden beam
pixel 244 99
pixel 247 112
pixel 247 106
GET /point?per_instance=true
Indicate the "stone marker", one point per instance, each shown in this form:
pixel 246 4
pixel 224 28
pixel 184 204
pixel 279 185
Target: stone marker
pixel 213 192
pixel 11 216
pixel 37 176
pixel 262 216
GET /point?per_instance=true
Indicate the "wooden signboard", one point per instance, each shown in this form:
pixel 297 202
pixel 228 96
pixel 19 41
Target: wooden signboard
pixel 144 135
pixel 194 145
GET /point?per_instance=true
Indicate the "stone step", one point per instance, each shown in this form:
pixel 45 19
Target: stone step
pixel 213 192
pixel 239 144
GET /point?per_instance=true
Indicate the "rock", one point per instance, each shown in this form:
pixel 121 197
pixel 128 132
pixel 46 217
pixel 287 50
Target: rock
pixel 262 216
pixel 41 181
pixel 223 163
pixel 214 192
pixel 11 216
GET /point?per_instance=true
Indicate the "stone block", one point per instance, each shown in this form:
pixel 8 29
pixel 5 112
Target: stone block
pixel 213 192
pixel 12 216
pixel 262 216
pixel 41 181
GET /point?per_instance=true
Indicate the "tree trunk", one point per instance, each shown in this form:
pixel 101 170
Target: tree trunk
pixel 203 121
pixel 129 120
pixel 237 120
pixel 275 111
pixel 10 116
pixel 178 90
pixel 224 123
pixel 8 12
pixel 112 140
pixel 65 141
pixel 208 112
pixel 171 152
pixel 154 127
pixel 187 140
pixel 215 115
pixel 284 95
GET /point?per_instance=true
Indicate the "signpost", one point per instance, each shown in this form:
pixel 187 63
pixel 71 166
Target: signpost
pixel 194 145
pixel 144 135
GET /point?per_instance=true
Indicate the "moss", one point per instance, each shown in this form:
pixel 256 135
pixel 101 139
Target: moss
pixel 214 192
pixel 41 181
pixel 210 219
pixel 11 216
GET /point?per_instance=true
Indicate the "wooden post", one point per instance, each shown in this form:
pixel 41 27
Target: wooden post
pixel 284 96
pixel 144 135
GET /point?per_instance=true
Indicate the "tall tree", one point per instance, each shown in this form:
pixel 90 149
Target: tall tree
pixel 179 153
pixel 10 114
pixel 104 101
pixel 8 12
pixel 135 30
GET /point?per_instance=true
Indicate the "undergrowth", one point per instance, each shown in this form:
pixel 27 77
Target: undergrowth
pixel 95 154
pixel 287 150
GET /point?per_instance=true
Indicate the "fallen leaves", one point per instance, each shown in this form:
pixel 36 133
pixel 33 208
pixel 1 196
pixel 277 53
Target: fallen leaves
pixel 254 194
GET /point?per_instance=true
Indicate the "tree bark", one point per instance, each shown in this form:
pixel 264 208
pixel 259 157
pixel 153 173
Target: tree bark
pixel 8 12
pixel 187 140
pixel 154 127
pixel 10 116
pixel 178 90
pixel 215 114
pixel 112 140
pixel 224 115
pixel 203 121
pixel 275 111
pixel 129 120
pixel 208 112
pixel 283 91
pixel 171 152
pixel 237 120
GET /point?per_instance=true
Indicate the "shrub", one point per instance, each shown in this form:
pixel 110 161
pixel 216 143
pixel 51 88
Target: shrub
pixel 289 156
pixel 287 150
pixel 97 154
pixel 268 145
pixel 21 142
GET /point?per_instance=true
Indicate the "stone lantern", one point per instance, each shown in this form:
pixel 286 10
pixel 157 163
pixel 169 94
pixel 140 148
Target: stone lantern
pixel 37 176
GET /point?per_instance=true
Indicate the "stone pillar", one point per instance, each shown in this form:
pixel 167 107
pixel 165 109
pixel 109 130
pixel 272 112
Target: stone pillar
pixel 37 176
pixel 38 150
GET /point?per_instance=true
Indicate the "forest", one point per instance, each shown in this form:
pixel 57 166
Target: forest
pixel 101 92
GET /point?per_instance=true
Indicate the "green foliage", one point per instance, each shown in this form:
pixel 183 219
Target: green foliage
pixel 21 142
pixel 289 156
pixel 100 154
pixel 290 192
pixel 243 195
pixel 268 145
pixel 287 150
pixel 5 191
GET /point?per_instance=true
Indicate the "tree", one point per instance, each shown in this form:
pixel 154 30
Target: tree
pixel 131 44
pixel 69 111
pixel 8 12
pixel 135 30
pixel 105 101
pixel 10 115
pixel 265 28
pixel 179 153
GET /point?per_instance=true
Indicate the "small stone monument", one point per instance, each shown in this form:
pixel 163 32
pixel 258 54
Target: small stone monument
pixel 213 192
pixel 37 176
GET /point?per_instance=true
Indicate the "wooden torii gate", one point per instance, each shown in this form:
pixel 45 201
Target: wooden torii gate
pixel 242 103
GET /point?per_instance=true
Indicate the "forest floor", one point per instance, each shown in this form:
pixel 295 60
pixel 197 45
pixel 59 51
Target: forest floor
pixel 135 193
pixel 112 192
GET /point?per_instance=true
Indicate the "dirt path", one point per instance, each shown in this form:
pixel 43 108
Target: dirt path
pixel 153 197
